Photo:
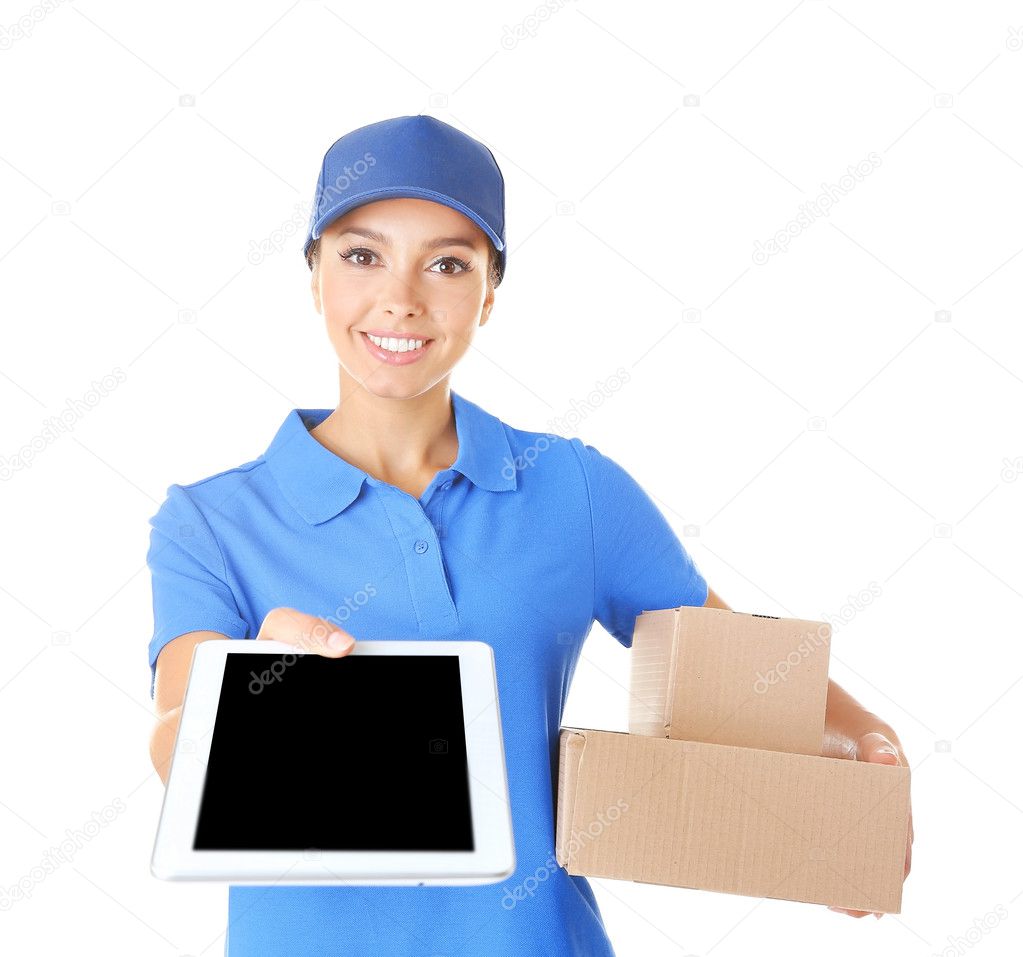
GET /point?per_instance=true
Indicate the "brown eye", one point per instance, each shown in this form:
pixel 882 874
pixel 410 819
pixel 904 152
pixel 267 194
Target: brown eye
pixel 355 253
pixel 462 265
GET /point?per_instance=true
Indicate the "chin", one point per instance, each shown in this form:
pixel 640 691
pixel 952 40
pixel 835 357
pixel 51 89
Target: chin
pixel 388 386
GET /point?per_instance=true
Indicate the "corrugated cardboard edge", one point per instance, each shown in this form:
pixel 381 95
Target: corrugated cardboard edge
pixel 653 661
pixel 571 744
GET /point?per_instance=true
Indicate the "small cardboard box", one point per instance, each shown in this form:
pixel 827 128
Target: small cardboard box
pixel 727 677
pixel 730 817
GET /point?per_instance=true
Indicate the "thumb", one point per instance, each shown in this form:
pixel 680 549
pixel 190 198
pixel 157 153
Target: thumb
pixel 876 747
pixel 304 631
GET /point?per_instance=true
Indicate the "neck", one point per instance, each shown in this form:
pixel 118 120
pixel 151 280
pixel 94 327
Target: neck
pixel 397 440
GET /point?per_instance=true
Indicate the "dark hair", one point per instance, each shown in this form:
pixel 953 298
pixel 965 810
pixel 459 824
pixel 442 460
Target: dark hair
pixel 494 276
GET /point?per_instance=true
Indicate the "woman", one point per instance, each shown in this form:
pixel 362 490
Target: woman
pixel 410 511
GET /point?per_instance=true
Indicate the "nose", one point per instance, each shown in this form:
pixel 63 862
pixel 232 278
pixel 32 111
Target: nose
pixel 401 296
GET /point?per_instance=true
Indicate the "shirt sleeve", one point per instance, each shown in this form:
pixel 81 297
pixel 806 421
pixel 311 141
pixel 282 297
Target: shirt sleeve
pixel 189 577
pixel 639 562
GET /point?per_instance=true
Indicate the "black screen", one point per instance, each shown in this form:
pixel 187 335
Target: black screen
pixel 359 753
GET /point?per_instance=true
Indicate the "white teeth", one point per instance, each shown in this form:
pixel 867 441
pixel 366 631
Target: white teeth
pixel 396 345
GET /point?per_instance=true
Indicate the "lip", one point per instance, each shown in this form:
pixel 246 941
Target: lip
pixel 395 358
pixel 388 334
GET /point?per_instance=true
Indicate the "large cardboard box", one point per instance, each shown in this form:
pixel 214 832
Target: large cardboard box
pixel 755 820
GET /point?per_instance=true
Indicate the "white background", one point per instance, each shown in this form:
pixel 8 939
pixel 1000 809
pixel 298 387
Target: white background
pixel 842 416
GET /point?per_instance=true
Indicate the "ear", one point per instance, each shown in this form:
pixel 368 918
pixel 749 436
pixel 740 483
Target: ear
pixel 488 305
pixel 314 285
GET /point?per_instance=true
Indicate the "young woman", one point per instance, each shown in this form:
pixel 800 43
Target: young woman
pixel 409 510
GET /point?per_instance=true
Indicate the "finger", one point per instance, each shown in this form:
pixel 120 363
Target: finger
pixel 324 638
pixel 306 632
pixel 875 747
pixel 340 642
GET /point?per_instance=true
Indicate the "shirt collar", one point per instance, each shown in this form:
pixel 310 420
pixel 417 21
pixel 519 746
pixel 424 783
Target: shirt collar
pixel 320 484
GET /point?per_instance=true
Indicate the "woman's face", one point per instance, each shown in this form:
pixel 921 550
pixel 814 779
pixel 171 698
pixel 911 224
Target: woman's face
pixel 404 270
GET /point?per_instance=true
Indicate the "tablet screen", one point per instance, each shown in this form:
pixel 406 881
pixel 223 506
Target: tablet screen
pixel 359 753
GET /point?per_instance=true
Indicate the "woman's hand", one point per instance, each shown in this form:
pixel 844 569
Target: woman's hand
pixel 875 746
pixel 306 632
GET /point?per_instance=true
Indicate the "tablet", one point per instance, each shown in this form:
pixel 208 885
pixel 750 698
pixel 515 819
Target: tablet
pixel 384 766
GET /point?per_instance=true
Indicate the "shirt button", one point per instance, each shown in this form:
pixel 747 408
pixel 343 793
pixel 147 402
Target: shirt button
pixel 421 546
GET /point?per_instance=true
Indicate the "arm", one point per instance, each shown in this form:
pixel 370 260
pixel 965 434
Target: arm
pixel 307 632
pixel 714 601
pixel 171 678
pixel 845 719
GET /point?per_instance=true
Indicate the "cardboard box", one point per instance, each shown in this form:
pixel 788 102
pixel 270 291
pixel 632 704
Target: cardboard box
pixel 759 821
pixel 725 677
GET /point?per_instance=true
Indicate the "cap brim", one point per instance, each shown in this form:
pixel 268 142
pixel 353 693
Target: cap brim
pixel 395 192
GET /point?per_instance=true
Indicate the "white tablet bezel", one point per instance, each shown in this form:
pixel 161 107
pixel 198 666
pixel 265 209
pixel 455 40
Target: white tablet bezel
pixel 492 861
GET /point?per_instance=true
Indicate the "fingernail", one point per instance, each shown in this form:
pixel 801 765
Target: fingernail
pixel 877 915
pixel 336 640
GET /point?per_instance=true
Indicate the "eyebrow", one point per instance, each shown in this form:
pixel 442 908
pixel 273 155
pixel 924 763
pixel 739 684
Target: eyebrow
pixel 427 244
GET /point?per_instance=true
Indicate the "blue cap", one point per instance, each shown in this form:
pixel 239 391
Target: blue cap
pixel 413 156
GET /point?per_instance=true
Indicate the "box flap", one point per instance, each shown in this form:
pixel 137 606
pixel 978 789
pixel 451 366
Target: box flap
pixel 652 663
pixel 571 747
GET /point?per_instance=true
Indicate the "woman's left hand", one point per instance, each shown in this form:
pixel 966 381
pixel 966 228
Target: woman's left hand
pixel 874 746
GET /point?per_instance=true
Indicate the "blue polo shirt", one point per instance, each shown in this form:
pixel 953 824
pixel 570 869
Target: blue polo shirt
pixel 524 542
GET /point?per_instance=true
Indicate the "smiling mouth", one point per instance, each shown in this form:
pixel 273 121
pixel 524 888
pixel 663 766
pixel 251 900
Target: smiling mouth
pixel 397 344
pixel 396 350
